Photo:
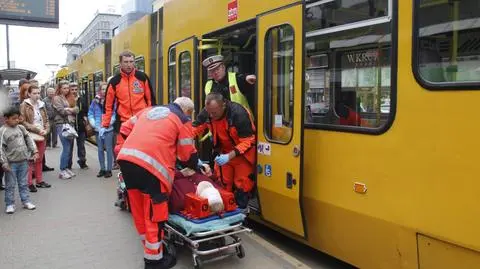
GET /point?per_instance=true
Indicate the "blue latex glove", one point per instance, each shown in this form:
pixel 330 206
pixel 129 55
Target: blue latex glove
pixel 199 163
pixel 222 159
pixel 101 133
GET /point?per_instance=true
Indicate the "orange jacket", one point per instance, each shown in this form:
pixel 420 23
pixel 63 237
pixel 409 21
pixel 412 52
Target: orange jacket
pixel 132 93
pixel 235 131
pixel 155 138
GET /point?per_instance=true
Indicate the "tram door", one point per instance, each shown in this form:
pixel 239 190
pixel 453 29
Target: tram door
pixel 187 79
pixel 280 118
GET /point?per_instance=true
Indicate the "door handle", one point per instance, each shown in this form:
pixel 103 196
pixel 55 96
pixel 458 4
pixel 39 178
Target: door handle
pixel 290 180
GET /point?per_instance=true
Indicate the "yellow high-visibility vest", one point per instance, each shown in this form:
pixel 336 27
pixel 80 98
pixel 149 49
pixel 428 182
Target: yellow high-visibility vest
pixel 236 95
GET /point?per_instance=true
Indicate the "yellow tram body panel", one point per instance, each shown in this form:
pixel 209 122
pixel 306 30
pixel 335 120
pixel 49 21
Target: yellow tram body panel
pixel 93 61
pixel 420 204
pixel 137 39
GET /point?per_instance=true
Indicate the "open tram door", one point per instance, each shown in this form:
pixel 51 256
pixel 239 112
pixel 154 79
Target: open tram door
pixel 187 78
pixel 280 118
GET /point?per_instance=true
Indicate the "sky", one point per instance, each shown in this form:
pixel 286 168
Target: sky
pixel 32 48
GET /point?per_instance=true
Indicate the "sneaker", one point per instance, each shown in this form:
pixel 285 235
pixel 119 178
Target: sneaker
pixel 107 174
pixel 10 209
pixel 29 206
pixel 70 172
pixel 32 188
pixel 101 173
pixel 2 187
pixel 64 175
pixel 43 184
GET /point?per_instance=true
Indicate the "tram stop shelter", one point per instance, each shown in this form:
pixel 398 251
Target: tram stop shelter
pixel 15 74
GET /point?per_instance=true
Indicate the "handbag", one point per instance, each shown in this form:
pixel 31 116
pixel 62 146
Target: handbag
pixel 89 131
pixel 68 131
pixel 37 137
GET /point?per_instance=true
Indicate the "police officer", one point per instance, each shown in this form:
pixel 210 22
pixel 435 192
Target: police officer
pixel 234 87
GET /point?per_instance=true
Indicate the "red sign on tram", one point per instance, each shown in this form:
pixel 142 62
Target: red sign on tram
pixel 233 10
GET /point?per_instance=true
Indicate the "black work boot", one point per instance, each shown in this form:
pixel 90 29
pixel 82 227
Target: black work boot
pixel 168 261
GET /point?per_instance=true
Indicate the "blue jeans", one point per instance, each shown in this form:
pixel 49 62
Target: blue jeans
pixel 18 175
pixel 106 142
pixel 66 148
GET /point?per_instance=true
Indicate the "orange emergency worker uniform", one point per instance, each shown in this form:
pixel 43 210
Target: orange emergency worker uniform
pixel 131 92
pixel 235 131
pixel 154 139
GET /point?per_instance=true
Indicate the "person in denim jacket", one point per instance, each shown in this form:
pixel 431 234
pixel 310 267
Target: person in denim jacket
pixel 95 113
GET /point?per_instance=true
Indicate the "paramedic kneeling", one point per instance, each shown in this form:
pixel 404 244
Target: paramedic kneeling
pixel 233 131
pixel 154 139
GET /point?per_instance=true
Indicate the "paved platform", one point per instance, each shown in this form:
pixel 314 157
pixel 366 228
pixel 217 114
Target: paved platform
pixel 76 225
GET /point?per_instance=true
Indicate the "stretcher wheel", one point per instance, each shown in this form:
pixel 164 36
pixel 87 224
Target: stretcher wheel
pixel 170 249
pixel 122 205
pixel 197 263
pixel 240 252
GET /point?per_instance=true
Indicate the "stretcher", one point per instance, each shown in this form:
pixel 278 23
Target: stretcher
pixel 209 240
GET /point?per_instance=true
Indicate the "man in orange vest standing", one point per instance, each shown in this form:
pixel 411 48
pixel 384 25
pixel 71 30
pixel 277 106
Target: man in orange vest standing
pixel 130 91
pixel 154 139
pixel 233 133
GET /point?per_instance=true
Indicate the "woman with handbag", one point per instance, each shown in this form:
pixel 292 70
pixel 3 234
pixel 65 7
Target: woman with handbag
pixel 35 120
pixel 65 130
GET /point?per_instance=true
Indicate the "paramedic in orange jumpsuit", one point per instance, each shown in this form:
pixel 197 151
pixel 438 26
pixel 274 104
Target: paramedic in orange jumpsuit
pixel 154 139
pixel 233 131
pixel 130 91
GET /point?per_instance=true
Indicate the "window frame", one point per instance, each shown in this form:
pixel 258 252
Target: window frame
pixel 180 75
pixel 443 86
pixel 391 17
pixel 267 92
pixel 170 49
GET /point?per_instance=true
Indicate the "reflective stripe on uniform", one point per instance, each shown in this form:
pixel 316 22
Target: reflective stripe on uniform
pixel 147 158
pixel 153 257
pixel 153 246
pixel 133 119
pixel 186 142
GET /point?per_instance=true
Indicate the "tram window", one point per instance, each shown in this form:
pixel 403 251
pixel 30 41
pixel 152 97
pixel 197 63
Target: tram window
pixel 448 42
pixel 98 78
pixel 140 64
pixel 171 75
pixel 279 83
pixel 321 14
pixel 185 74
pixel 348 69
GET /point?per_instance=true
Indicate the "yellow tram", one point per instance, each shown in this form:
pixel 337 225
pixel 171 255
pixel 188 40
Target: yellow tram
pixel 365 115
pixel 365 112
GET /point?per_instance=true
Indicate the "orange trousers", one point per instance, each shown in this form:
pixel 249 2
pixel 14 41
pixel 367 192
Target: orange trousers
pixel 149 208
pixel 236 171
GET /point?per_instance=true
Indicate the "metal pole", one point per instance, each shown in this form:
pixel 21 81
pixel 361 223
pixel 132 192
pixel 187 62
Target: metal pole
pixel 8 51
pixel 8 48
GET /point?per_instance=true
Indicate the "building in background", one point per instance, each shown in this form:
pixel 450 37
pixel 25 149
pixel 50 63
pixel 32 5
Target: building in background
pixel 157 4
pixel 132 10
pixel 97 32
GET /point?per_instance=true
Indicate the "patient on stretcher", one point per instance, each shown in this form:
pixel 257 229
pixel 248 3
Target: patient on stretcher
pixel 188 181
